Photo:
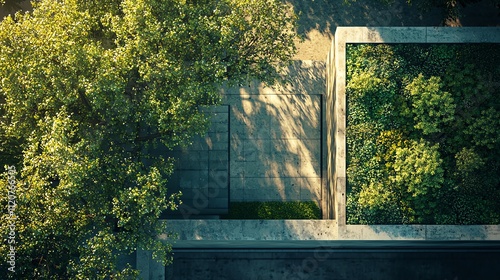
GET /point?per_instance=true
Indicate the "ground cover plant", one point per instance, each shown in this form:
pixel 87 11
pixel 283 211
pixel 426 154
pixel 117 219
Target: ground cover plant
pixel 423 134
pixel 274 210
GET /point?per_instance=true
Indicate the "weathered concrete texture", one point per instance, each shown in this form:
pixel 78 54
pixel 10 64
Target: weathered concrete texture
pixel 383 232
pixel 149 268
pixel 474 232
pixel 277 230
pixel 299 230
pixel 417 35
pixel 419 232
pixel 202 170
pixel 275 134
pixel 380 34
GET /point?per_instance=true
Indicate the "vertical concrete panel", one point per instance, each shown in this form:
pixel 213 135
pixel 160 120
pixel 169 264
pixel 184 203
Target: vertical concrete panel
pixel 149 268
pixel 339 177
pixel 202 170
pixel 276 136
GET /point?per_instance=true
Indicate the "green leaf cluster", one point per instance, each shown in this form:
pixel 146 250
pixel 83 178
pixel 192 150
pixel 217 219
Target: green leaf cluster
pixel 90 93
pixel 274 210
pixel 423 134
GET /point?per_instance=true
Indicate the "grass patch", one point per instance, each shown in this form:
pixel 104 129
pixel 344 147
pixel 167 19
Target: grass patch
pixel 274 210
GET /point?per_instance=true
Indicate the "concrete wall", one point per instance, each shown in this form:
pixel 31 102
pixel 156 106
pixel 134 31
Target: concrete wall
pixel 202 170
pixel 276 137
pixel 256 230
pixel 200 238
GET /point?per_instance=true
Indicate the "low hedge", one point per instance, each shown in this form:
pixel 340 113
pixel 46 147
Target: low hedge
pixel 274 210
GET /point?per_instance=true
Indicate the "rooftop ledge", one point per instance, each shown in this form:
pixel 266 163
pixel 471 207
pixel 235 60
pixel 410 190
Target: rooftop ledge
pixel 295 230
pixel 417 35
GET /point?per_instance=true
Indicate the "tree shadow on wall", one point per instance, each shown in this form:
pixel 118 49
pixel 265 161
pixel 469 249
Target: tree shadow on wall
pixel 275 149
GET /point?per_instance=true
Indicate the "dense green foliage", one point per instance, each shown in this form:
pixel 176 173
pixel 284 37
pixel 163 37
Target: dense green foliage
pixel 87 90
pixel 423 134
pixel 274 210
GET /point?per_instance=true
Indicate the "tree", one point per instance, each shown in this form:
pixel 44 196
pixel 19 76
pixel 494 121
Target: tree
pixel 88 89
pixel 431 107
pixel 423 130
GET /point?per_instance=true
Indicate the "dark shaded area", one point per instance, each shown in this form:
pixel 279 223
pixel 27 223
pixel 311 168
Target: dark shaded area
pixel 342 260
pixel 202 170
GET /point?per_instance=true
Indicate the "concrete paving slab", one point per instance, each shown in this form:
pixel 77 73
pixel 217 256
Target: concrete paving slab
pixel 292 190
pixel 218 146
pixel 217 157
pixel 193 179
pixel 237 193
pixel 219 127
pixel 218 178
pixel 220 137
pixel 310 189
pixel 310 168
pixel 237 170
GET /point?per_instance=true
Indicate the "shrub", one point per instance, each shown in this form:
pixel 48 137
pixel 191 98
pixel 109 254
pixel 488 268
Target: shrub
pixel 423 134
pixel 274 210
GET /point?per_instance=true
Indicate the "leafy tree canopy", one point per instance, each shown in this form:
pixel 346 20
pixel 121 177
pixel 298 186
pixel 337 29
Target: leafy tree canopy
pixel 87 89
pixel 423 138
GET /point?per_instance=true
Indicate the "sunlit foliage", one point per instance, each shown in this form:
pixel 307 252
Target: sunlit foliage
pixel 423 134
pixel 87 89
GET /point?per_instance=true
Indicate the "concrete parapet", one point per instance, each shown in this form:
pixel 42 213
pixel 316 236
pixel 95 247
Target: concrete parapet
pixel 336 106
pixel 234 230
pixel 420 232
pixel 300 230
